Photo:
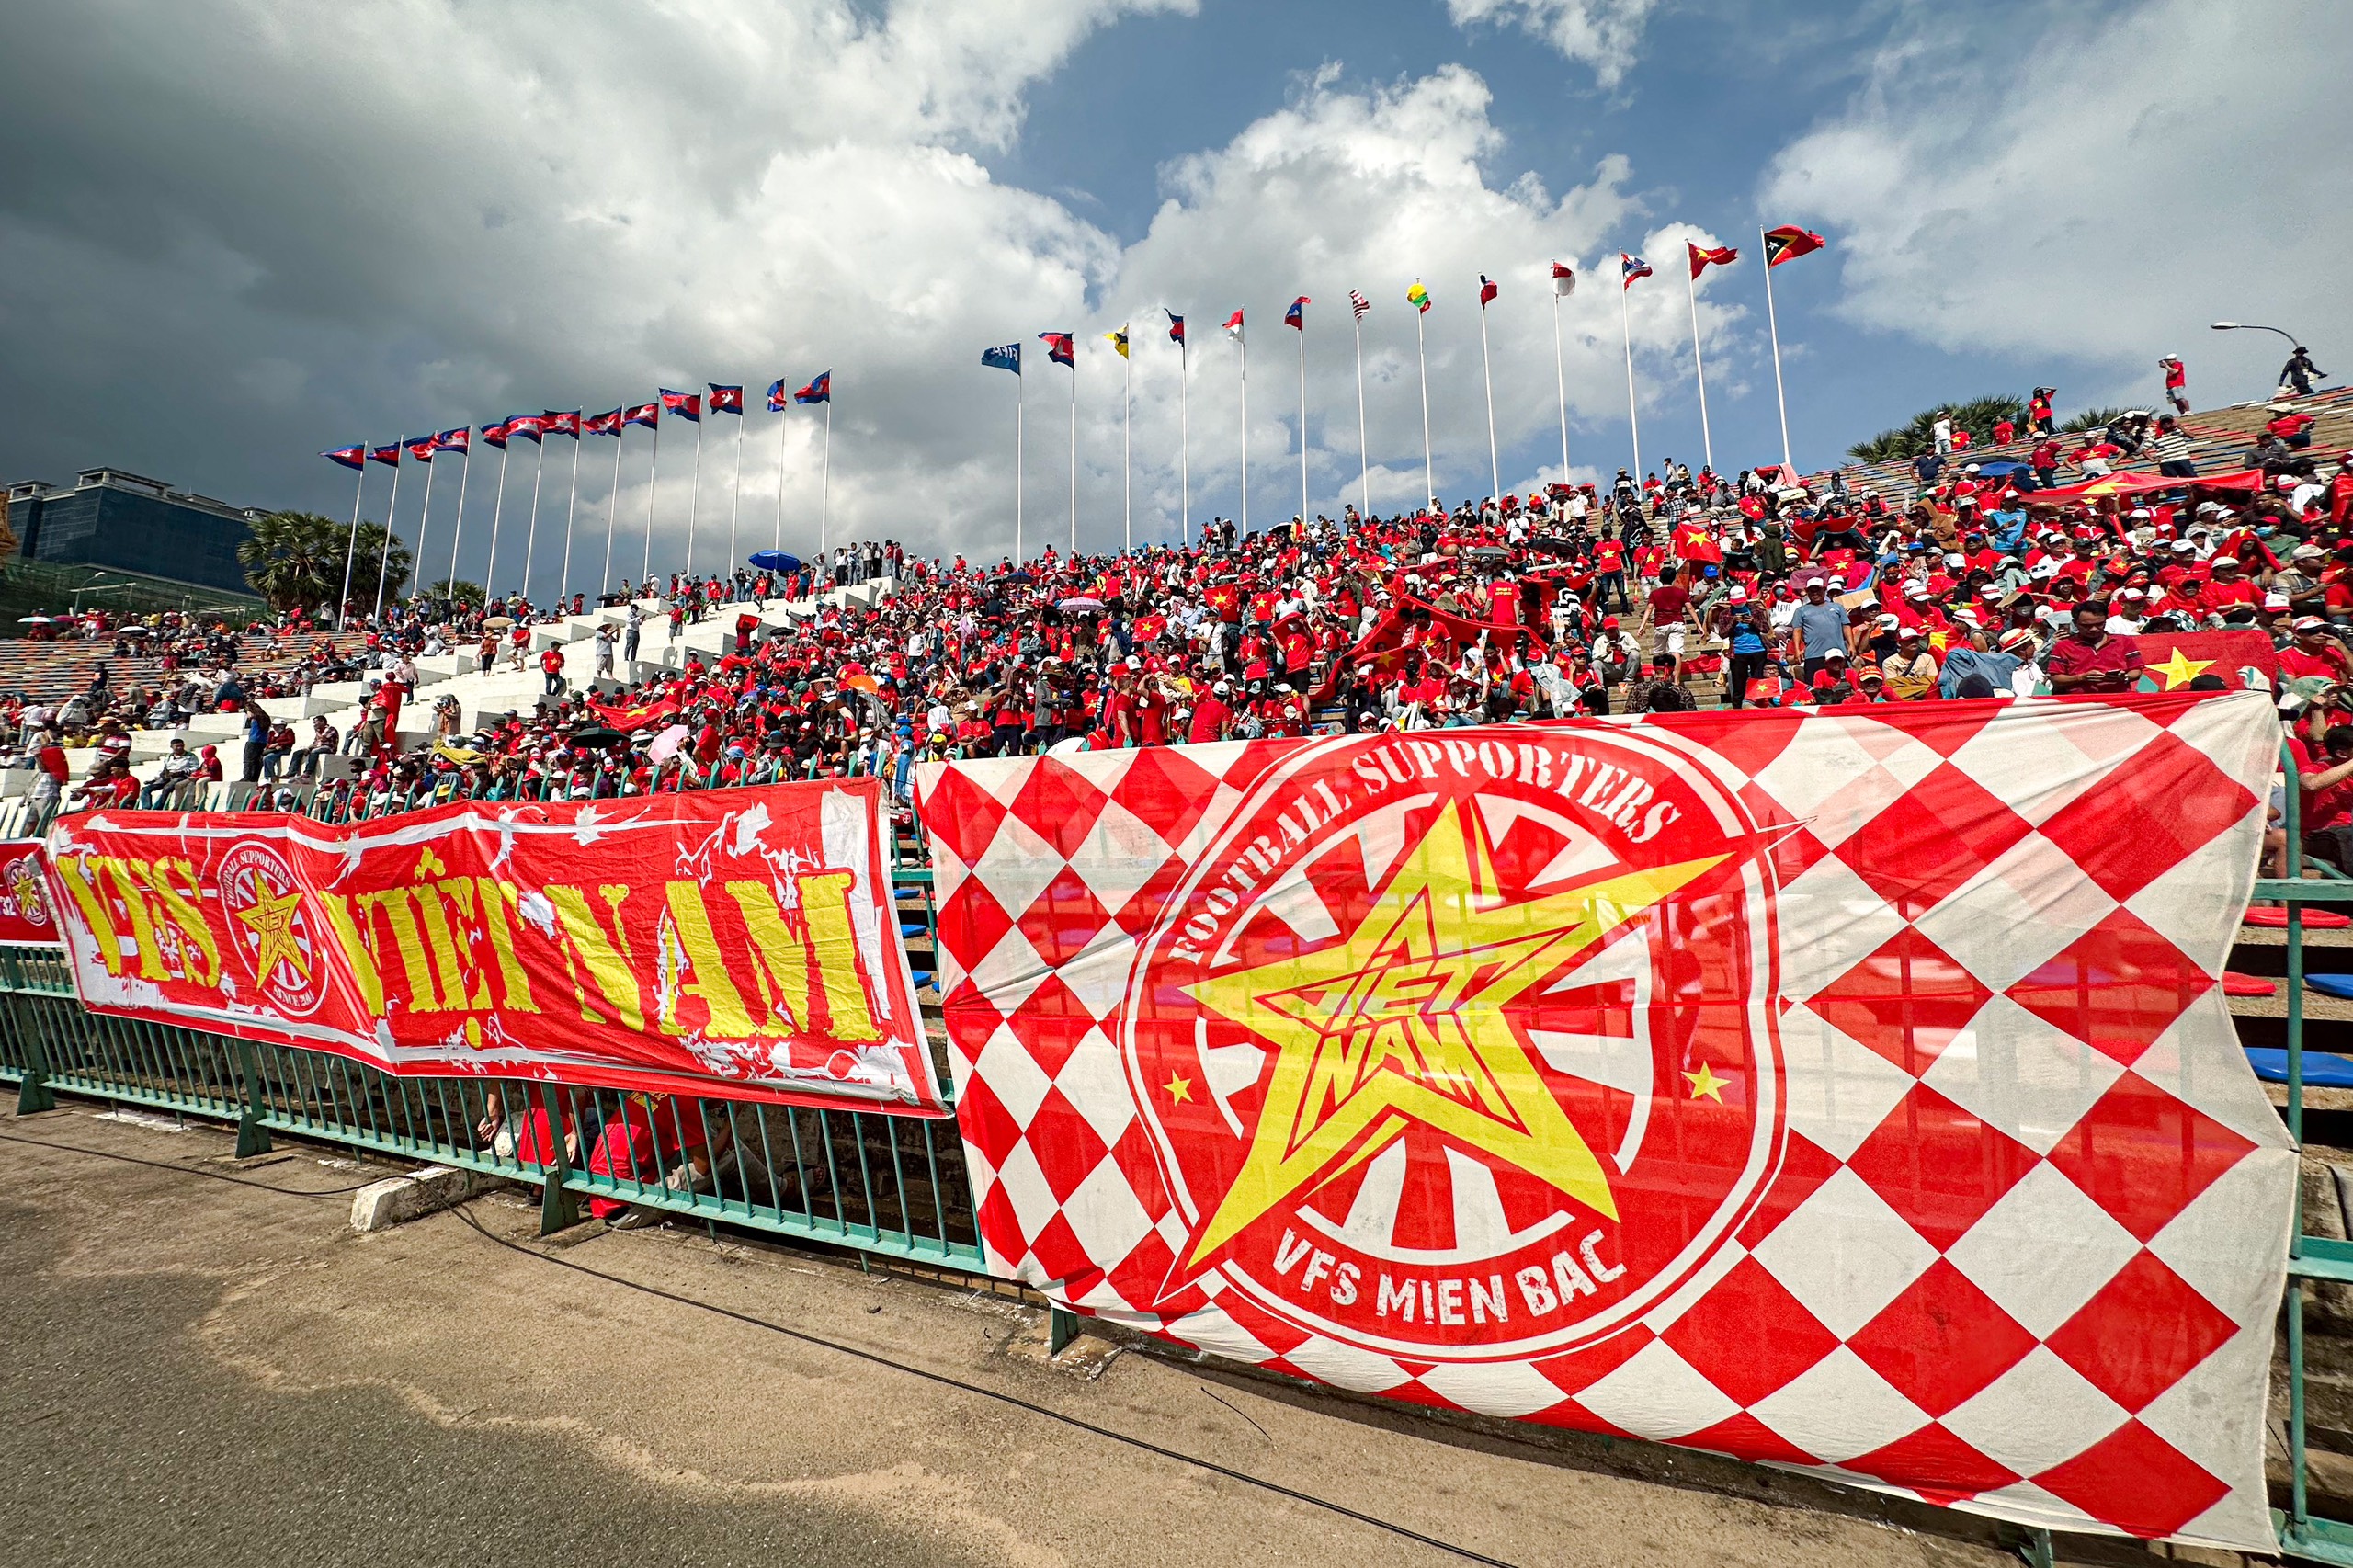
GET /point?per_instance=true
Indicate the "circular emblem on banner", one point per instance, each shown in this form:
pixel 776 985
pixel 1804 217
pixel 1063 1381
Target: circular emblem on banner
pixel 1464 1049
pixel 25 891
pixel 270 926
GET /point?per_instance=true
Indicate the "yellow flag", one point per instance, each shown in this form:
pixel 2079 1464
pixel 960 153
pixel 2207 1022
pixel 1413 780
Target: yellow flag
pixel 1119 340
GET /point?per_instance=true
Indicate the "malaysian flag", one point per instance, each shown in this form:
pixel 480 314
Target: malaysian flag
pixel 1632 267
pixel 1359 303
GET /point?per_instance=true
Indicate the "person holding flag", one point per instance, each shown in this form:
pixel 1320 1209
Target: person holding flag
pixel 1719 255
pixel 1785 243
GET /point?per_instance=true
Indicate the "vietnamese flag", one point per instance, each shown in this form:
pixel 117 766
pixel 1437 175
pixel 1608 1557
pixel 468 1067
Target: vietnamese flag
pixel 1722 256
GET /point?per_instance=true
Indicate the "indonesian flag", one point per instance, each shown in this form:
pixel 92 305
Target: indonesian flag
pixel 1564 279
pixel 1788 241
pixel 1722 256
pixel 1233 327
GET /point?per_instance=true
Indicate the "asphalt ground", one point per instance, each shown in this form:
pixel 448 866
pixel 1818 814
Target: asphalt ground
pixel 197 1372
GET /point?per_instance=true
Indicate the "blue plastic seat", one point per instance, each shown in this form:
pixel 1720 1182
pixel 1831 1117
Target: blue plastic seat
pixel 2322 1070
pixel 2338 985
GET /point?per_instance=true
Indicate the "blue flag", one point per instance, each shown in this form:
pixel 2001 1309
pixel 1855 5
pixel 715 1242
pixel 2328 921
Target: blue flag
pixel 1007 358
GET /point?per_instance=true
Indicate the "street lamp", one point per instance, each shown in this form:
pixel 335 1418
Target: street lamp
pixel 2251 326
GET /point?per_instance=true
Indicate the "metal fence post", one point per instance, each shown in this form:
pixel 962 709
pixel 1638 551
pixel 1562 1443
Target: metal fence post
pixel 253 1138
pixel 557 1210
pixel 1062 1330
pixel 33 1093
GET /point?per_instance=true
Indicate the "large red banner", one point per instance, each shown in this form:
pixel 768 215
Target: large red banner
pixel 26 916
pixel 1850 1090
pixel 742 942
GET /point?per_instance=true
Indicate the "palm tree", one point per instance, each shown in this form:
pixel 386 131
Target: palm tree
pixel 457 589
pixel 369 558
pixel 294 560
pixel 1978 416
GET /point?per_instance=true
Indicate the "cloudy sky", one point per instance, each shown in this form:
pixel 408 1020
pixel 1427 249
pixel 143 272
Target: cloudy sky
pixel 237 232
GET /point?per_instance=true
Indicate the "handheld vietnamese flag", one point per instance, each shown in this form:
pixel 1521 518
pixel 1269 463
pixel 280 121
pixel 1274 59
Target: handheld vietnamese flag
pixel 419 449
pixel 1632 267
pixel 685 405
pixel 1722 256
pixel 565 422
pixel 1789 242
pixel 1418 297
pixel 606 423
pixel 389 456
pixel 1059 348
pixel 1564 279
pixel 1233 327
pixel 1296 317
pixel 1487 291
pixel 457 440
pixel 349 456
pixel 646 413
pixel 819 390
pixel 725 400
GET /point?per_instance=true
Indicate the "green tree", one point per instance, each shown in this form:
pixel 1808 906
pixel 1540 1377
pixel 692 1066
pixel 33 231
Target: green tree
pixel 369 557
pixel 294 560
pixel 1978 415
pixel 2093 419
pixel 458 590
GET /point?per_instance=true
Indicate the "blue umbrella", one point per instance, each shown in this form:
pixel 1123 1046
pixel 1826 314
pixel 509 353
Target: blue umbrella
pixel 775 560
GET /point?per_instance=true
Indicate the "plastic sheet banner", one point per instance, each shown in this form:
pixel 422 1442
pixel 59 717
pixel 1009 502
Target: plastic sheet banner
pixel 737 942
pixel 1849 1090
pixel 28 917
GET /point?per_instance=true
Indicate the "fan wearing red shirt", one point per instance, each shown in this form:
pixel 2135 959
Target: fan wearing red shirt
pixel 2314 652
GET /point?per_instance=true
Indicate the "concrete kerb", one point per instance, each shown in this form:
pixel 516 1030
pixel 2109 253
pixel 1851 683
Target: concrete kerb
pixel 397 1199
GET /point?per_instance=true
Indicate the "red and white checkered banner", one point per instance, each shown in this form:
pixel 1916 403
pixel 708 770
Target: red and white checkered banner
pixel 1850 1091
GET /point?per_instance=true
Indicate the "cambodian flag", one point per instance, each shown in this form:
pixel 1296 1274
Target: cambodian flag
pixel 530 426
pixel 725 400
pixel 495 434
pixel 1059 348
pixel 685 405
pixel 349 456
pixel 567 422
pixel 646 413
pixel 820 390
pixel 1296 317
pixel 603 424
pixel 778 399
pixel 457 440
pixel 389 456
pixel 419 449
pixel 1176 326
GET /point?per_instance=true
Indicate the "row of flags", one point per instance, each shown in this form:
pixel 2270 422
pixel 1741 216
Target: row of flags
pixel 537 427
pixel 1784 244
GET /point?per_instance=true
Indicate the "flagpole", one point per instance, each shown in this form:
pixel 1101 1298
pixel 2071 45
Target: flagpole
pixel 1561 382
pixel 1487 373
pixel 564 578
pixel 1303 420
pixel 351 544
pixel 1074 444
pixel 465 472
pixel 1773 325
pixel 694 500
pixel 426 521
pixel 825 473
pixel 1421 357
pixel 1127 444
pixel 1364 448
pixel 653 469
pixel 384 561
pixel 1633 418
pixel 1184 445
pixel 735 492
pixel 497 509
pixel 531 530
pixel 782 430
pixel 1244 345
pixel 612 512
pixel 1020 409
pixel 1699 372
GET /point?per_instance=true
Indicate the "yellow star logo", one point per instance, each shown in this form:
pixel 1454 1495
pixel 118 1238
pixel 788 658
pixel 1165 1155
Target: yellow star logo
pixel 1180 1089
pixel 271 918
pixel 1405 1022
pixel 2179 672
pixel 1705 1083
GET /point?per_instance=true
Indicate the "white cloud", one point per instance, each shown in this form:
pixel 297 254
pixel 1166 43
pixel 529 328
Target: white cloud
pixel 1602 34
pixel 2093 189
pixel 307 226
